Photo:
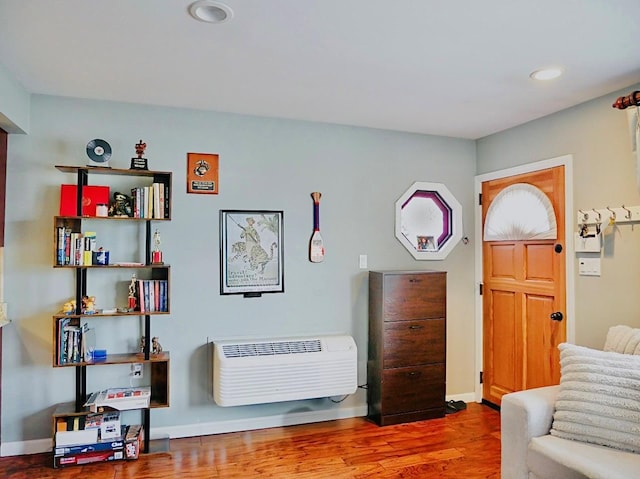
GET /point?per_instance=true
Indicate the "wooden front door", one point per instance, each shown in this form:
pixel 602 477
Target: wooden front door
pixel 523 284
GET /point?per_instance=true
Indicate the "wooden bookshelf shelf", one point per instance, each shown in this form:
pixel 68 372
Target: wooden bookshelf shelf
pixel 110 315
pixel 121 358
pixel 111 171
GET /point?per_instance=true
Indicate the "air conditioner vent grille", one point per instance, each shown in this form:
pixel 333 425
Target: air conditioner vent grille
pixel 271 349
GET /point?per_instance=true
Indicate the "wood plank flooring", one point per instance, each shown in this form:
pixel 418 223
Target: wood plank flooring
pixel 461 445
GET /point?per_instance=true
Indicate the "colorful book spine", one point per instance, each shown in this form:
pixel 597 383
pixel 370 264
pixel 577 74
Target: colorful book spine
pixel 67 247
pixel 60 247
pixel 90 245
pixel 166 201
pixel 134 203
pixel 152 296
pixel 141 304
pixel 162 288
pixel 156 295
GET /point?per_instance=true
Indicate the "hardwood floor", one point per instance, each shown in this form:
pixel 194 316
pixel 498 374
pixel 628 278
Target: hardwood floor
pixel 464 445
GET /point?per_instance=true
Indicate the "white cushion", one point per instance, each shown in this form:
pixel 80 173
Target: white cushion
pixel 623 339
pixel 599 398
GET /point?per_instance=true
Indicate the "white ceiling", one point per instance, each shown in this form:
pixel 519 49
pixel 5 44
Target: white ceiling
pixel 446 67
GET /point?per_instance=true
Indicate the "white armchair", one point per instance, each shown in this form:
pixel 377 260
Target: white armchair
pixel 530 451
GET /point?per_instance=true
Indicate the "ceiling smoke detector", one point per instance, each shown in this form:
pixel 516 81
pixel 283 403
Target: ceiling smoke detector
pixel 210 11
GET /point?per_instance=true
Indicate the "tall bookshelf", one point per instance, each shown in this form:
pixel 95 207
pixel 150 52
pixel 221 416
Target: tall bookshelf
pixel 157 364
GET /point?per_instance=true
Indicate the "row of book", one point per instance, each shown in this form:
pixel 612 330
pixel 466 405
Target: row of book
pixel 152 295
pixel 74 248
pixel 75 343
pixel 150 201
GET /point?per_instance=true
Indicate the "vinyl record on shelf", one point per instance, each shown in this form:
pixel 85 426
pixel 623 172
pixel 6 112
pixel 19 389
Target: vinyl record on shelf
pixel 99 151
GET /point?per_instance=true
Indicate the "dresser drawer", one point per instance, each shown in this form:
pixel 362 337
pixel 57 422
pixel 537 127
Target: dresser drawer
pixel 414 296
pixel 413 388
pixel 411 343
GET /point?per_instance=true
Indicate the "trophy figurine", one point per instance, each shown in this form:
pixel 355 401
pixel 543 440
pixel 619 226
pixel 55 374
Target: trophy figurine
pixel 139 163
pixel 156 254
pixel 132 293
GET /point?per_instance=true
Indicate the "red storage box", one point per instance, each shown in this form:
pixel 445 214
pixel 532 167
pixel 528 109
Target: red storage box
pixel 92 195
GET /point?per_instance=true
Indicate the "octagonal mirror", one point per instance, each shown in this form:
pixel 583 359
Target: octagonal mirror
pixel 428 221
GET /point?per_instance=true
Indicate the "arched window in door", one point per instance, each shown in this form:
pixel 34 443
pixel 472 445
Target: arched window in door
pixel 520 212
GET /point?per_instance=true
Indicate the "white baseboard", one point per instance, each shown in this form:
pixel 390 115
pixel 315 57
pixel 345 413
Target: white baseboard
pixel 220 427
pixel 22 448
pixel 37 446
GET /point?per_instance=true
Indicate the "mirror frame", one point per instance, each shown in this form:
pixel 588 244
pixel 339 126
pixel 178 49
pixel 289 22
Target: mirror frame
pixel 455 224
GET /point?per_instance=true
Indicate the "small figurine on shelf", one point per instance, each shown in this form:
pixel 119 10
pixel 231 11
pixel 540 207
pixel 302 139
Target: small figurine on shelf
pixel 132 293
pixel 69 307
pixel 88 305
pixel 143 342
pixel 156 348
pixel 156 254
pixel 121 206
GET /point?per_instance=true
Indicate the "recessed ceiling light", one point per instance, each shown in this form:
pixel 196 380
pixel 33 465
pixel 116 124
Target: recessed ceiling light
pixel 546 73
pixel 210 11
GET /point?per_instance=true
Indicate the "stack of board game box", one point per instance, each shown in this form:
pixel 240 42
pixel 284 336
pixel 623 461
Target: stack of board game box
pixel 125 442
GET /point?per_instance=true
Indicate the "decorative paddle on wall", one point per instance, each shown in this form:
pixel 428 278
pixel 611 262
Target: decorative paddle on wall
pixel 316 247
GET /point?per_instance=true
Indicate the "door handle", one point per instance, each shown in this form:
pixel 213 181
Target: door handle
pixel 556 316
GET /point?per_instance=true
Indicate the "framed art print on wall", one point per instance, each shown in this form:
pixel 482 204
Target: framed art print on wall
pixel 251 252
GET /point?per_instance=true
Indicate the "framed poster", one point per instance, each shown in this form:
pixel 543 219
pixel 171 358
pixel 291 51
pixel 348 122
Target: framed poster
pixel 202 173
pixel 251 252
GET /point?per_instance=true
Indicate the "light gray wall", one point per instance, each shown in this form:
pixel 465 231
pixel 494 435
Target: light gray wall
pixel 14 104
pixel 264 164
pixel 597 136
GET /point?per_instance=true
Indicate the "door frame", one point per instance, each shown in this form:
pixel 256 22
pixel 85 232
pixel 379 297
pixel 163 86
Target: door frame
pixel 567 162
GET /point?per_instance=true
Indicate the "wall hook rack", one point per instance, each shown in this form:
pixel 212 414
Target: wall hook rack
pixel 621 214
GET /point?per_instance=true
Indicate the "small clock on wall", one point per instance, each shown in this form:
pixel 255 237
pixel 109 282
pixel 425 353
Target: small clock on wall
pixel 99 152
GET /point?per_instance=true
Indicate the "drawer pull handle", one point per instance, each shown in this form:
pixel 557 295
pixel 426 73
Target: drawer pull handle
pixel 416 326
pixel 414 373
pixel 414 280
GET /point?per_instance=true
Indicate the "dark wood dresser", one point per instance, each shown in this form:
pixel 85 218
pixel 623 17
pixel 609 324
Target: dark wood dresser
pixel 407 346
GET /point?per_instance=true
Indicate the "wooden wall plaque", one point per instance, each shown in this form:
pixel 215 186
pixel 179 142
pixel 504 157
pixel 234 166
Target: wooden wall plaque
pixel 202 173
